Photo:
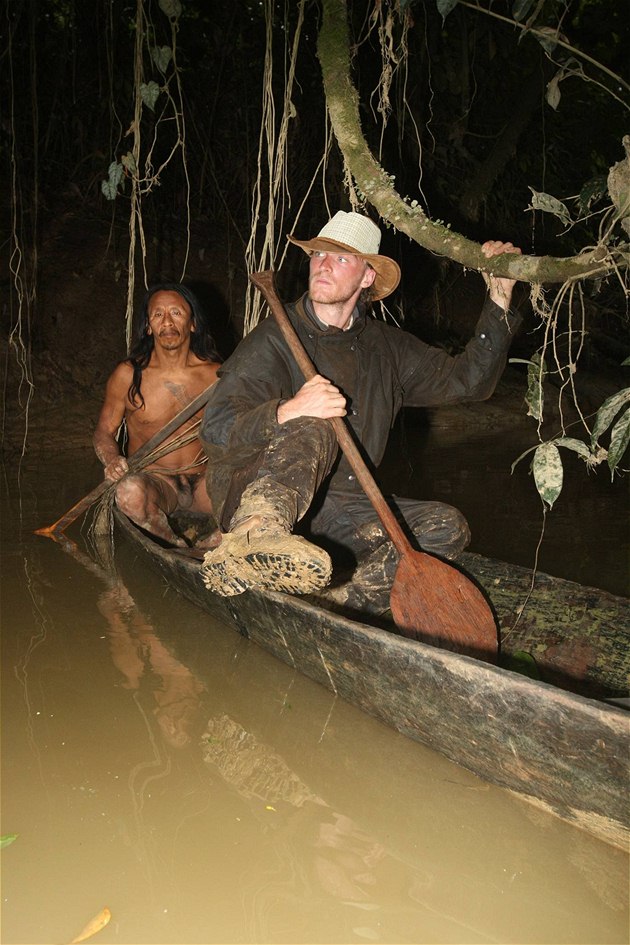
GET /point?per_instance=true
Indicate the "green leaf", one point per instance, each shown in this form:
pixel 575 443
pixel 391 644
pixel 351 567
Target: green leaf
pixel 553 90
pixel 7 839
pixel 161 56
pixel 109 187
pixel 149 93
pixel 619 439
pixel 523 663
pixel 534 398
pixel 445 7
pixel 129 162
pixel 607 412
pixel 520 9
pixel 619 187
pixel 576 445
pixel 592 190
pixel 547 37
pixel 548 473
pixel 172 8
pixel 549 204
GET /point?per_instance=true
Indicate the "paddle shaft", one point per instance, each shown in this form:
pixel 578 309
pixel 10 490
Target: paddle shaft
pixel 152 443
pixel 264 281
pixel 430 600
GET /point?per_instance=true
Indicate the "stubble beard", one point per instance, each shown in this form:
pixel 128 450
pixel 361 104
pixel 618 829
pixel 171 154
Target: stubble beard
pixel 329 294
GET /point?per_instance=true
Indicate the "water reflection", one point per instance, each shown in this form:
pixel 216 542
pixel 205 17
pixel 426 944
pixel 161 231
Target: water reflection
pixel 149 668
pixel 205 792
pixel 343 857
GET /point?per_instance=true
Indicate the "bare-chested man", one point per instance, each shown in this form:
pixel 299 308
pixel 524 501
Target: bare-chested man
pixel 172 361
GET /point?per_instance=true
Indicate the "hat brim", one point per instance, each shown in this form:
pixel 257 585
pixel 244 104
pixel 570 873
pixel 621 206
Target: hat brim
pixel 386 269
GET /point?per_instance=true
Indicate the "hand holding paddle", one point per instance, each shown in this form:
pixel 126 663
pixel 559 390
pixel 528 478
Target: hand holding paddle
pixel 430 600
pixel 57 528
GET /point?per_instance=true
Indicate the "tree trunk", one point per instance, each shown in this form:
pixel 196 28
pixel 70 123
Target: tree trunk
pixel 504 149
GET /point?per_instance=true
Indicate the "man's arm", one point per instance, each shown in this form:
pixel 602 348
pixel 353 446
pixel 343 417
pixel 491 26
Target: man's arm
pixel 431 377
pixel 111 416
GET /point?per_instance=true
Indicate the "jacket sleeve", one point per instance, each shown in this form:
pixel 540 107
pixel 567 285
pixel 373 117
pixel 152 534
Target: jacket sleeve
pixel 241 412
pixel 430 376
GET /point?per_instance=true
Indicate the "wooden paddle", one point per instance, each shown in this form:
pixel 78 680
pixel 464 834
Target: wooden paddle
pixel 56 529
pixel 431 600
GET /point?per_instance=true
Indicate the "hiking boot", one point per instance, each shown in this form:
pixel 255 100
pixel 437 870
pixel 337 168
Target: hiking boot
pixel 261 552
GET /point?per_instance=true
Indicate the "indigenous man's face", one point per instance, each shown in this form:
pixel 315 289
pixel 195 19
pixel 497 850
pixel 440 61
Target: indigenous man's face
pixel 170 319
pixel 335 278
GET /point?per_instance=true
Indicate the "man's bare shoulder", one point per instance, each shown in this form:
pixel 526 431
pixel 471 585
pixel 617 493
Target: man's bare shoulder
pixel 204 372
pixel 119 381
pixel 122 373
pixel 195 372
pixel 210 369
pixel 208 366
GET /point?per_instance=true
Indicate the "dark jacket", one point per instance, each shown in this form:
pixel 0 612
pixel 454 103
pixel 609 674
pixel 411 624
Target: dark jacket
pixel 378 367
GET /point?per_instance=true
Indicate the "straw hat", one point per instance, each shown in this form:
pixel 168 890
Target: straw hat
pixel 358 235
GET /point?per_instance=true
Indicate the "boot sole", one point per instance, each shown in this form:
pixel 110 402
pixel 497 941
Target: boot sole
pixel 284 563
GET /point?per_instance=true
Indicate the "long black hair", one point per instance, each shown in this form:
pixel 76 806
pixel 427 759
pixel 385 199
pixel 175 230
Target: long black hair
pixel 202 343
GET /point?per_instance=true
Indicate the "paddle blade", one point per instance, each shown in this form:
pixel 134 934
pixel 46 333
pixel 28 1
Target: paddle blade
pixel 432 601
pixel 51 531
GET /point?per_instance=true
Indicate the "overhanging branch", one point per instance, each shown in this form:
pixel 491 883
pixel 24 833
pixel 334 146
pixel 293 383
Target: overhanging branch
pixel 377 186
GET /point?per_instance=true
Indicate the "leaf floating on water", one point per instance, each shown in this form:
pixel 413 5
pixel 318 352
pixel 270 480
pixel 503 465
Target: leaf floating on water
pixel 95 925
pixel 7 839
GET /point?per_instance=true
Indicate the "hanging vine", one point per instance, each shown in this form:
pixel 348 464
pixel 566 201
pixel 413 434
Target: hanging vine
pixel 23 257
pixel 138 164
pixel 271 178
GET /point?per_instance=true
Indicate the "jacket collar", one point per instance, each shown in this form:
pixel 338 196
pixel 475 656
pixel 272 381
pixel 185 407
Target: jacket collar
pixel 304 308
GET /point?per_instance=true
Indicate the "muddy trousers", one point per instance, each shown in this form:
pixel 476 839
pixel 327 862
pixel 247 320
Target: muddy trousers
pixel 286 484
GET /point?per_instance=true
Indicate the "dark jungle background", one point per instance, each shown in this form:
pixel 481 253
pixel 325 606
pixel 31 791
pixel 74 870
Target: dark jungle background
pixel 480 112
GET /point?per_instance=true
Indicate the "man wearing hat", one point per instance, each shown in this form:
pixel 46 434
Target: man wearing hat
pixel 282 491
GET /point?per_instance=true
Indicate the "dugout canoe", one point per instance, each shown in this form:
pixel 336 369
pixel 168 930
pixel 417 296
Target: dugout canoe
pixel 560 741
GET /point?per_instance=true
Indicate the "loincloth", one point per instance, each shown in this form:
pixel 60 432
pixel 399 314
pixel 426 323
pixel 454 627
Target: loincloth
pixel 176 488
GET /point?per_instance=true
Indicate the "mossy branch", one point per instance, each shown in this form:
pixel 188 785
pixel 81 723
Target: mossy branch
pixel 378 187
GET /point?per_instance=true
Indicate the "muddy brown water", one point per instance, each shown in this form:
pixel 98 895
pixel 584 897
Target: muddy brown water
pixel 158 764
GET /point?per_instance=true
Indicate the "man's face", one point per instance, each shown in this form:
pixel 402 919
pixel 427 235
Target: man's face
pixel 170 319
pixel 336 278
